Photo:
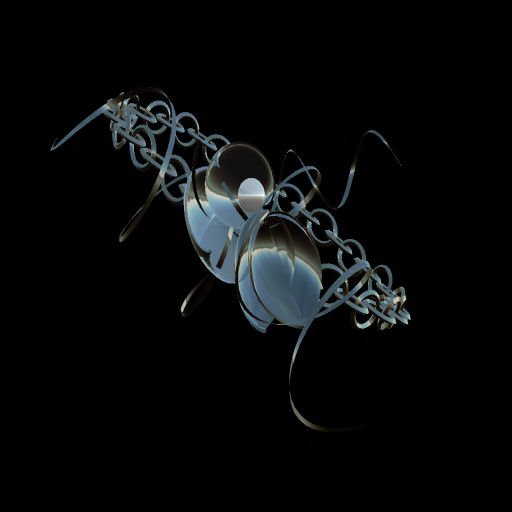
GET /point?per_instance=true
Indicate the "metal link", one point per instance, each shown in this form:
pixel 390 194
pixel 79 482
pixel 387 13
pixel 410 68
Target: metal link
pixel 136 140
pixel 306 214
pixel 153 160
pixel 203 139
pixel 144 114
pixel 163 119
pixel 314 214
pixel 124 117
pixel 338 241
pixel 383 305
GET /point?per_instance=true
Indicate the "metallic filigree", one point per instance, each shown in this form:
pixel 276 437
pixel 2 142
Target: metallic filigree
pixel 243 233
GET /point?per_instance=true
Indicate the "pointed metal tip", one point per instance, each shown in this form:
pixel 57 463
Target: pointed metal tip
pixel 396 158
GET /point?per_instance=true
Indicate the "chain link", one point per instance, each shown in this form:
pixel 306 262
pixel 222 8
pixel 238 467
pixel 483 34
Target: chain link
pixel 129 122
pixel 379 302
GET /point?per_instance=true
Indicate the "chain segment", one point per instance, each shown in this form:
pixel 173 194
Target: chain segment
pixel 372 298
pixel 140 127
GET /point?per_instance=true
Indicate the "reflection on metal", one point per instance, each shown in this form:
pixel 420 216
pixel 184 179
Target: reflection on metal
pixel 242 232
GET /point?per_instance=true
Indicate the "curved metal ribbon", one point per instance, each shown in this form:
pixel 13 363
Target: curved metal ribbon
pixel 362 265
pixel 109 104
pixel 197 295
pixel 368 302
pixel 315 184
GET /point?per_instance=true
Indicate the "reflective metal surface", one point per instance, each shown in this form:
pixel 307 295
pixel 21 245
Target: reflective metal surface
pixel 280 271
pixel 251 195
pixel 242 232
pixel 211 238
pixel 235 166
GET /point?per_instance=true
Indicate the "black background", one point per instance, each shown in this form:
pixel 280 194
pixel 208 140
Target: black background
pixel 105 368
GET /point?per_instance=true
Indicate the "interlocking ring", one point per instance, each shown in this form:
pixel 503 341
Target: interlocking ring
pixel 183 129
pixel 333 227
pixel 138 131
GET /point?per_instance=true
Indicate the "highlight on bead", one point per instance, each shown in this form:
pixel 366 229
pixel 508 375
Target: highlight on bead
pixel 241 229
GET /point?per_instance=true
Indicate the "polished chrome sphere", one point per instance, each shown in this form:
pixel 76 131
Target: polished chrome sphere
pixel 239 181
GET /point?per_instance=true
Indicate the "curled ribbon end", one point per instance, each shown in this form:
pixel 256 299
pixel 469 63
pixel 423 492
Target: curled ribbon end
pixel 196 295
